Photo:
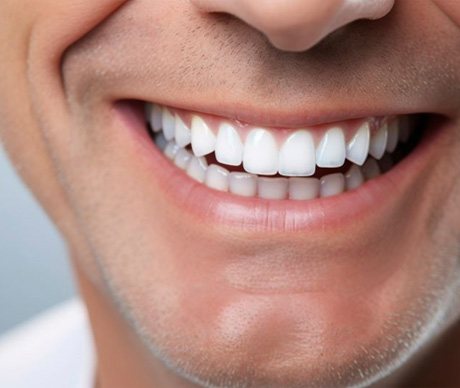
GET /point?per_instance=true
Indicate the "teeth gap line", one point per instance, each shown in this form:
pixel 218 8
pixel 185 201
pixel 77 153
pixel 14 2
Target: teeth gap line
pixel 199 153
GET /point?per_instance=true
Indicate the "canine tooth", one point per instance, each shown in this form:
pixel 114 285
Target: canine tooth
pixel 182 158
pixel 378 142
pixel 171 150
pixel 243 184
pixel 332 184
pixel 260 155
pixel 272 188
pixel 331 149
pixel 297 155
pixel 358 146
pixel 203 139
pixel 217 177
pixel 370 169
pixel 196 168
pixel 169 124
pixel 161 141
pixel 393 135
pixel 354 178
pixel 156 117
pixel 181 132
pixel 303 188
pixel 229 148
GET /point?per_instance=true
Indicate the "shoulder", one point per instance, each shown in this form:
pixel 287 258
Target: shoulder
pixel 54 349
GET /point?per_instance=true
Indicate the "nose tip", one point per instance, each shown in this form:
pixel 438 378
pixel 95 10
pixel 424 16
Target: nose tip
pixel 298 25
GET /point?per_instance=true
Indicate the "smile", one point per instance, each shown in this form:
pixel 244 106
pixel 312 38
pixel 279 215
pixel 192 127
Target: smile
pixel 322 176
pixel 280 163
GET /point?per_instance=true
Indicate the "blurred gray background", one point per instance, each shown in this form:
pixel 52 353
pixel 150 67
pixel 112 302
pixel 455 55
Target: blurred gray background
pixel 34 272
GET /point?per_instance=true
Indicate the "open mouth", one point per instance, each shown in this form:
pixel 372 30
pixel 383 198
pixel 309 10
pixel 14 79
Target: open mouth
pixel 282 163
pixel 324 175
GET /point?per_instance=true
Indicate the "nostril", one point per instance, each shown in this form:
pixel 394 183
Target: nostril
pixel 300 31
pixel 298 25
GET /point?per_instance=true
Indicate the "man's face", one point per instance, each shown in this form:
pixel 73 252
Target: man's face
pixel 228 289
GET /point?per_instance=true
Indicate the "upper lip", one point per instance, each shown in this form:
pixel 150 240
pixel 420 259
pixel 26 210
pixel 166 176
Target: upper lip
pixel 281 109
pixel 292 118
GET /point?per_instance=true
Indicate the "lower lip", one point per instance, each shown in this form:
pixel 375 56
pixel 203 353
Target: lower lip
pixel 264 215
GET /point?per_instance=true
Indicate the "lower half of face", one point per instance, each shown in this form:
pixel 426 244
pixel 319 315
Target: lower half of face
pixel 264 217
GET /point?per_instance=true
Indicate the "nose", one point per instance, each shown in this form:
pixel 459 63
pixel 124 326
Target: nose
pixel 297 25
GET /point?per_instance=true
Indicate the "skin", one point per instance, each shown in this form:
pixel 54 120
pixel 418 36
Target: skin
pixel 175 302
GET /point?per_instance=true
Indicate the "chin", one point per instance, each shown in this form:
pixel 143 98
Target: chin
pixel 216 336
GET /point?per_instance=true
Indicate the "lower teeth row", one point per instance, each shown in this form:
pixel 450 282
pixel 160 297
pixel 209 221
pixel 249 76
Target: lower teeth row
pixel 240 183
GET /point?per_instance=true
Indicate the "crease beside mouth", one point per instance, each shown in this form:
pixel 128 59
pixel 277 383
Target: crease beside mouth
pixel 296 164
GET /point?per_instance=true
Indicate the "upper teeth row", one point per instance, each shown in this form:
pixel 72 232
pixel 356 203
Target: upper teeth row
pixel 260 153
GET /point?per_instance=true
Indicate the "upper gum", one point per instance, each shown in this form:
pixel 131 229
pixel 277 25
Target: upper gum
pixel 349 127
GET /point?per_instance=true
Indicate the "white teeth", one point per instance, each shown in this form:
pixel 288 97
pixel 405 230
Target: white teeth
pixel 168 124
pixel 297 155
pixel 182 158
pixel 181 132
pixel 242 184
pixel 156 117
pixel 378 143
pixel 229 148
pixel 260 155
pixel 203 139
pixel 358 146
pixel 370 169
pixel 161 141
pixel 354 178
pixel 332 184
pixel 197 168
pixel 217 178
pixel 303 188
pixel 272 188
pixel 171 150
pixel 296 158
pixel 393 135
pixel 331 150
